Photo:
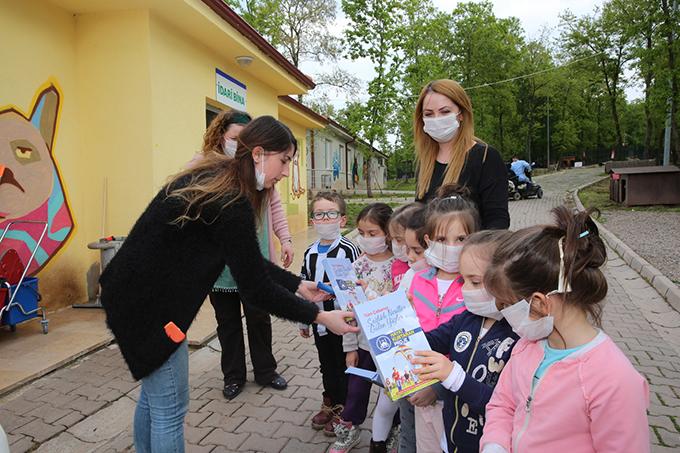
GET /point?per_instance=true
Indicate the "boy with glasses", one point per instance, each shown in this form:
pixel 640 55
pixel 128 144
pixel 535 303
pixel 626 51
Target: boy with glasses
pixel 328 217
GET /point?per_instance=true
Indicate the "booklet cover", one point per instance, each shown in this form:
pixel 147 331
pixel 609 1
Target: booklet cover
pixel 394 333
pixel 344 282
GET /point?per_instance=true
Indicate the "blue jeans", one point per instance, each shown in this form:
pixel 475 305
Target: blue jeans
pixel 162 405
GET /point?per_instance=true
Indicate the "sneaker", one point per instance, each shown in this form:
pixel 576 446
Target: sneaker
pixel 392 443
pixel 348 436
pixel 377 447
pixel 324 416
pixel 329 428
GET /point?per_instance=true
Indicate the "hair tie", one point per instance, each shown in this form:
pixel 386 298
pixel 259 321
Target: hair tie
pixel 584 234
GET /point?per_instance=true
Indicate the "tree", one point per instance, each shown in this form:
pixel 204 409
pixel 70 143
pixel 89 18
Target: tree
pixel 373 33
pixel 601 38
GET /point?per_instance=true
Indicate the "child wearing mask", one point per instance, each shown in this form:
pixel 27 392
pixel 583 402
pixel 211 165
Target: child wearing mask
pixel 374 268
pixel 328 217
pixel 397 228
pixel 414 239
pixel 477 344
pixel 436 293
pixel 568 387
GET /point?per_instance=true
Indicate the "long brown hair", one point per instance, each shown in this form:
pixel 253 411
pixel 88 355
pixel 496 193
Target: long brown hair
pixel 529 262
pixel 214 134
pixel 221 180
pixel 427 147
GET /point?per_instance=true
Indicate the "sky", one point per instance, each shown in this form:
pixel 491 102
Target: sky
pixel 534 15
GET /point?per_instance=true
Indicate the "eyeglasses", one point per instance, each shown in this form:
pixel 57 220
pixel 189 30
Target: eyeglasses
pixel 320 215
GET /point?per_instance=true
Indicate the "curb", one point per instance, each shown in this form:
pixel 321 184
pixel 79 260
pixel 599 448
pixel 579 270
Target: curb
pixel 663 285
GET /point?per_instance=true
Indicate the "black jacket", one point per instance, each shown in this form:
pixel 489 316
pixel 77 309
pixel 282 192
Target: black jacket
pixel 487 180
pixel 163 273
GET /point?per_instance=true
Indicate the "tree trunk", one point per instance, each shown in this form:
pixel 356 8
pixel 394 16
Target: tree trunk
pixel 369 190
pixel 500 125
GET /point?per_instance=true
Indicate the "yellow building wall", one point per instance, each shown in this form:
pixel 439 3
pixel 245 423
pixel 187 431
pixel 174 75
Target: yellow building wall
pixel 182 77
pixel 295 206
pixel 133 100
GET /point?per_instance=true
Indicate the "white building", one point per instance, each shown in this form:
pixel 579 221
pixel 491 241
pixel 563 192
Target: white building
pixel 335 161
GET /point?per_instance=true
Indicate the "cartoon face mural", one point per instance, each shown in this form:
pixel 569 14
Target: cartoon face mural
pixel 30 185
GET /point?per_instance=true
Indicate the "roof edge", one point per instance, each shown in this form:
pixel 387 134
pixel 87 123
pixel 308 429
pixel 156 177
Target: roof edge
pixel 300 106
pixel 232 18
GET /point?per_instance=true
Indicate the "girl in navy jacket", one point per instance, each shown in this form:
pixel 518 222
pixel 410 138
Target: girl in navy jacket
pixel 470 350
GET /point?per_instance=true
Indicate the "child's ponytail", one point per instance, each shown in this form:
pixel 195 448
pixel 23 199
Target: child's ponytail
pixel 529 261
pixel 584 254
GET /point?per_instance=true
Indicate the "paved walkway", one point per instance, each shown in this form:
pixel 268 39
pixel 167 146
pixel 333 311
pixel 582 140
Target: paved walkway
pixel 89 405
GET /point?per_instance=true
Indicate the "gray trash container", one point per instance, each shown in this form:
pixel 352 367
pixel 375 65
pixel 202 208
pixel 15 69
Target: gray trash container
pixel 107 248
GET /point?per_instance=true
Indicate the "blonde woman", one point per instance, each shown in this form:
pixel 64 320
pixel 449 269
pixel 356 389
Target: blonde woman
pixel 447 151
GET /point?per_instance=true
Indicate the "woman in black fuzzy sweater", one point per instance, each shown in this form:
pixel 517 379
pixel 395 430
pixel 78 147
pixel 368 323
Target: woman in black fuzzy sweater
pixel 201 221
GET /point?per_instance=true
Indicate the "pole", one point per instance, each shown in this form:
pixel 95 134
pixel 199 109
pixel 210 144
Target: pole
pixel 548 134
pixel 669 114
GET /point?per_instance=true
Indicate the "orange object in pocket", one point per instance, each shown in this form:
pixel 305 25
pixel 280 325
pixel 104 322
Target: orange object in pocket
pixel 174 333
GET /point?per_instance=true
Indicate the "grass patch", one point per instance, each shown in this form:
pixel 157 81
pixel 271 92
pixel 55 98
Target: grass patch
pixel 401 184
pixel 354 209
pixel 597 196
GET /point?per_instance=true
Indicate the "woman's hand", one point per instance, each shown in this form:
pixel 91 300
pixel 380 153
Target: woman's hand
pixel 433 365
pixel 336 321
pixel 308 290
pixel 287 253
pixel 423 398
pixel 352 358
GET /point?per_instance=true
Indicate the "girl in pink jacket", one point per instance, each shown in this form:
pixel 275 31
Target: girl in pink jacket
pixel 436 294
pixel 567 386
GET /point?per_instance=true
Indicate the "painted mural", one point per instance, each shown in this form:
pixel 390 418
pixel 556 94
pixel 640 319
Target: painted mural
pixel 296 184
pixel 30 184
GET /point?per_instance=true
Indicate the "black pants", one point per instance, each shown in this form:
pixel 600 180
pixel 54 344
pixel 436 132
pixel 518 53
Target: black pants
pixel 332 360
pixel 230 333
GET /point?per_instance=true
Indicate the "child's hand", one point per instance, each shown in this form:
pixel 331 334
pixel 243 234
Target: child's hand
pixel 433 365
pixel 410 299
pixel 423 398
pixel 304 333
pixel 352 358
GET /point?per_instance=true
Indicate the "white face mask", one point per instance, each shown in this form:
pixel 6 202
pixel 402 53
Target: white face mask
pixel 400 251
pixel 531 329
pixel 442 129
pixel 328 231
pixel 444 257
pixel 481 303
pixel 229 147
pixel 259 175
pixel 372 245
pixel 419 265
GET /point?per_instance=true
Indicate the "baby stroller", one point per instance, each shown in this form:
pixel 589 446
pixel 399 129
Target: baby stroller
pixel 19 294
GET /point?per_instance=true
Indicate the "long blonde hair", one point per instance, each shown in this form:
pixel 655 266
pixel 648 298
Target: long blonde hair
pixel 427 147
pixel 218 180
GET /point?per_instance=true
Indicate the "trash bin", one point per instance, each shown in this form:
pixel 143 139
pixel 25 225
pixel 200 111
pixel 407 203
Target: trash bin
pixel 108 247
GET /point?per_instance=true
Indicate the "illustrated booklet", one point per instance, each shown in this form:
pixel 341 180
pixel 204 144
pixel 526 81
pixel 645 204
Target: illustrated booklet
pixel 394 333
pixel 344 282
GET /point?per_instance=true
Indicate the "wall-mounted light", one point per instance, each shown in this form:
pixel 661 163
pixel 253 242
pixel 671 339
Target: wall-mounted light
pixel 244 60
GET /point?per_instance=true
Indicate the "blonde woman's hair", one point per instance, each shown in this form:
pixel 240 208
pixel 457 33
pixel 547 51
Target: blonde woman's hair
pixel 427 147
pixel 214 134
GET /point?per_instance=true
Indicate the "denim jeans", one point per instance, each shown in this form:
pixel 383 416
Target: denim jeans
pixel 162 405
